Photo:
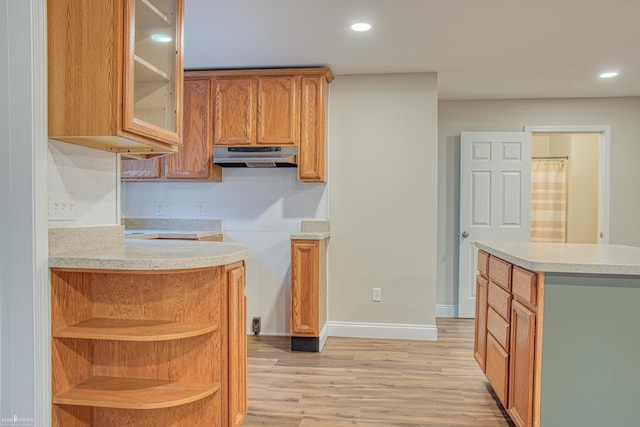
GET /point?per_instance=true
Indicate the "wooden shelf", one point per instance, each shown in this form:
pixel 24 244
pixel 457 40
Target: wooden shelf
pixel 134 393
pixel 151 17
pixel 147 72
pixel 133 330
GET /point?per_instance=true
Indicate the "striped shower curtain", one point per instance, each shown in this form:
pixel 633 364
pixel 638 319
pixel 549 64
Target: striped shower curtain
pixel 549 200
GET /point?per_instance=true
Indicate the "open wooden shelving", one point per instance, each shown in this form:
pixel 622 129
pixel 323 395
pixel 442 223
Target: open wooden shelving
pixel 133 330
pixel 134 393
pixel 134 346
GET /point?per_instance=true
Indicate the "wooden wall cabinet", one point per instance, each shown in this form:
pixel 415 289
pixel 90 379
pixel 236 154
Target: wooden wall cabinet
pixel 256 110
pixel 193 162
pixel 506 318
pixel 272 107
pixel 311 149
pixel 111 86
pixel 308 294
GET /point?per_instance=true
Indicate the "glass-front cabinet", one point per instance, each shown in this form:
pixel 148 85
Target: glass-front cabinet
pixel 115 74
pixel 154 67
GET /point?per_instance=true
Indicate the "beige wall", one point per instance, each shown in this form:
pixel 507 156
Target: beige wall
pixel 582 226
pixel 512 115
pixel 382 198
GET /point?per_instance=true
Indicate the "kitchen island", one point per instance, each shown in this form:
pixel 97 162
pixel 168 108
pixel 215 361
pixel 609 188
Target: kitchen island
pixel 557 331
pixel 146 332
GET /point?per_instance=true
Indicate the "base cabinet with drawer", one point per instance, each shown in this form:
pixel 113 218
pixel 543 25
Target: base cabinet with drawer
pixel 557 331
pixel 504 343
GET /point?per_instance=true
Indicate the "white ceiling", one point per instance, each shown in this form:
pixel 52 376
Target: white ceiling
pixel 481 49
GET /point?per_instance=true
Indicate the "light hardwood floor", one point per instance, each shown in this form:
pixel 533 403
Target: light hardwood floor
pixel 372 382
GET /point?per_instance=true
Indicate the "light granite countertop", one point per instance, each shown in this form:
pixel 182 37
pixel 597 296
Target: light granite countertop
pixel 310 235
pixel 171 228
pixel 576 258
pixel 153 255
pixel 312 230
pixel 144 233
pixel 105 248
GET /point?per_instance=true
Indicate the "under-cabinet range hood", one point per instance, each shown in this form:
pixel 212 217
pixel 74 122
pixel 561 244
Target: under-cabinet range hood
pixel 255 157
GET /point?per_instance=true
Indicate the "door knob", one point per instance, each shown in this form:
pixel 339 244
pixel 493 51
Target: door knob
pixel 465 234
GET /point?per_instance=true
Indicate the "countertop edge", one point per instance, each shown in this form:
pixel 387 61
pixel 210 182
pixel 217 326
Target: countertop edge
pixel 559 267
pixel 150 255
pixel 310 235
pixel 170 234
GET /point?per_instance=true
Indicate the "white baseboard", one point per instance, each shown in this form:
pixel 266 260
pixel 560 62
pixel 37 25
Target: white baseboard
pixel 446 310
pixel 383 331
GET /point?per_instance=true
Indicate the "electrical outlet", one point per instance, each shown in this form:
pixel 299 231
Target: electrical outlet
pixel 158 208
pixel 61 207
pixel 376 294
pixel 256 326
pixel 201 208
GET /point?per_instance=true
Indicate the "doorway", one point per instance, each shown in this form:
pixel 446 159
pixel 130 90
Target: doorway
pixel 474 210
pixel 587 152
pixel 564 187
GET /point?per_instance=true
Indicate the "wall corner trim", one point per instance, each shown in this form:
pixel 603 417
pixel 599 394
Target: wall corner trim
pixel 383 331
pixel 446 310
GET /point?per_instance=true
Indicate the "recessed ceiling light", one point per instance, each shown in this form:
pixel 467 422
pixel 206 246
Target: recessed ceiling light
pixel 609 74
pixel 361 26
pixel 161 38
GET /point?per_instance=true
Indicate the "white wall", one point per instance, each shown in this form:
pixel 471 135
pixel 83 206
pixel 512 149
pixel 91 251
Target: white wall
pixel 24 331
pixel 86 178
pixel 260 209
pixel 382 198
pixel 512 115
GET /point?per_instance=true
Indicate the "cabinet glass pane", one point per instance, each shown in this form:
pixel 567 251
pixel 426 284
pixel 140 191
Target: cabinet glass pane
pixel 155 62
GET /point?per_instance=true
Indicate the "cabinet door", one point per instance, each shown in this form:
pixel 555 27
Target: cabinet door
pixel 235 111
pixel 304 287
pixel 237 347
pixel 141 170
pixel 523 323
pixel 152 84
pixel 277 120
pixel 480 338
pixel 193 161
pixel 497 365
pixel 311 151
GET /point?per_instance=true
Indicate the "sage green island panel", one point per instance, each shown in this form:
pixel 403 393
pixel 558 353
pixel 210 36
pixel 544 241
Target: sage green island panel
pixel 591 351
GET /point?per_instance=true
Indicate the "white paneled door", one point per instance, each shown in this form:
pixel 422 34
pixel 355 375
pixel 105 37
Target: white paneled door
pixel 495 192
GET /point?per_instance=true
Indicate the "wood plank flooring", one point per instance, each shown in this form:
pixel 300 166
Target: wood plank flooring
pixel 371 382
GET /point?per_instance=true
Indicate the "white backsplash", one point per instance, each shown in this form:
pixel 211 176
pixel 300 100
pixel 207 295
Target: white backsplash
pixel 82 186
pixel 246 200
pixel 259 208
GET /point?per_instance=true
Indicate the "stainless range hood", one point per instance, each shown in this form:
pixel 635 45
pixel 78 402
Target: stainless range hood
pixel 255 157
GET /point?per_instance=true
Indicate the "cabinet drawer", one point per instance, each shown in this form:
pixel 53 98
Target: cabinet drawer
pixel 500 300
pixel 499 328
pixel 500 272
pixel 524 285
pixel 483 263
pixel 497 365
